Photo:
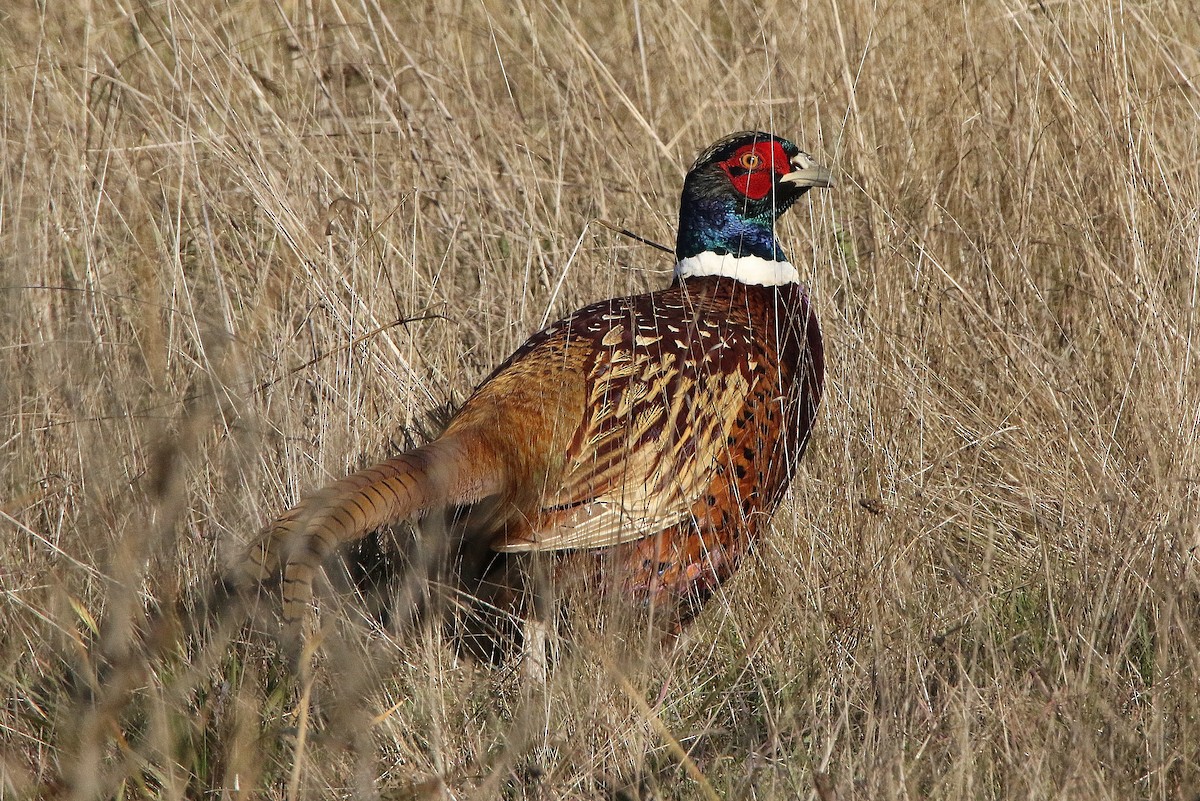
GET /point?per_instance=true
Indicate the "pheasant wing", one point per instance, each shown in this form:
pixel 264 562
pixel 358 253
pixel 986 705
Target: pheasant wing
pixel 661 400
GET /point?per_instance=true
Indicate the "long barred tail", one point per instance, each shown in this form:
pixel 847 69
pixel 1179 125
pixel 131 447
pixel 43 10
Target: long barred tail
pixel 296 545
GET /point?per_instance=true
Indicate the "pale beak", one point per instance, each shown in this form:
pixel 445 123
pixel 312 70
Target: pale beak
pixel 808 172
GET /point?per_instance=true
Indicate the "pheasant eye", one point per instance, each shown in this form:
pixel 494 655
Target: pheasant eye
pixel 751 160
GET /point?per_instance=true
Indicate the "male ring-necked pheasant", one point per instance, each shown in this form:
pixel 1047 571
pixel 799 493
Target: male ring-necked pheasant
pixel 648 437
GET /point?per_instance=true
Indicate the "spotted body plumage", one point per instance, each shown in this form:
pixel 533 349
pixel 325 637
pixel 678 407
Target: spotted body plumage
pixel 700 400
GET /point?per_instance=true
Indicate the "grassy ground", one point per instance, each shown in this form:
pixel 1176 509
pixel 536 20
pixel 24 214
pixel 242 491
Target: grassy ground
pixel 984 584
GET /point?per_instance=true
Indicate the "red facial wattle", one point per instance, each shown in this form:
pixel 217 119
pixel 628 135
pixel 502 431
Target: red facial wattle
pixel 753 169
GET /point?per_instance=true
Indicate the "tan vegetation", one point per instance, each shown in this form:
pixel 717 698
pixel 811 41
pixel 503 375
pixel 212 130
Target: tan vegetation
pixel 985 582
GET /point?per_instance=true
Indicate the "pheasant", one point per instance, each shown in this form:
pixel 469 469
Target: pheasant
pixel 647 439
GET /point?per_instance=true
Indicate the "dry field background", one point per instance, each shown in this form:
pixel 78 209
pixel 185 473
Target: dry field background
pixel 985 582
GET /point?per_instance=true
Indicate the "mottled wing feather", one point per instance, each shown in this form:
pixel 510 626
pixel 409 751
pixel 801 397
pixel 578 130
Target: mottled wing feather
pixel 660 405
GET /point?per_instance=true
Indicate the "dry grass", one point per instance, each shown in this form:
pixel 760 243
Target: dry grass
pixel 985 583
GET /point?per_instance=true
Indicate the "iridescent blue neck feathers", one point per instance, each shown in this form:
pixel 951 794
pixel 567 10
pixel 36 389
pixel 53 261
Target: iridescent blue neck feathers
pixel 715 224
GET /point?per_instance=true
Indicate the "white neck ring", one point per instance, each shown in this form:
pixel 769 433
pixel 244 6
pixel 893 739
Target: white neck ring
pixel 747 269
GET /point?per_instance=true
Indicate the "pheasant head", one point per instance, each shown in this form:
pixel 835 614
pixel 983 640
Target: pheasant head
pixel 732 197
